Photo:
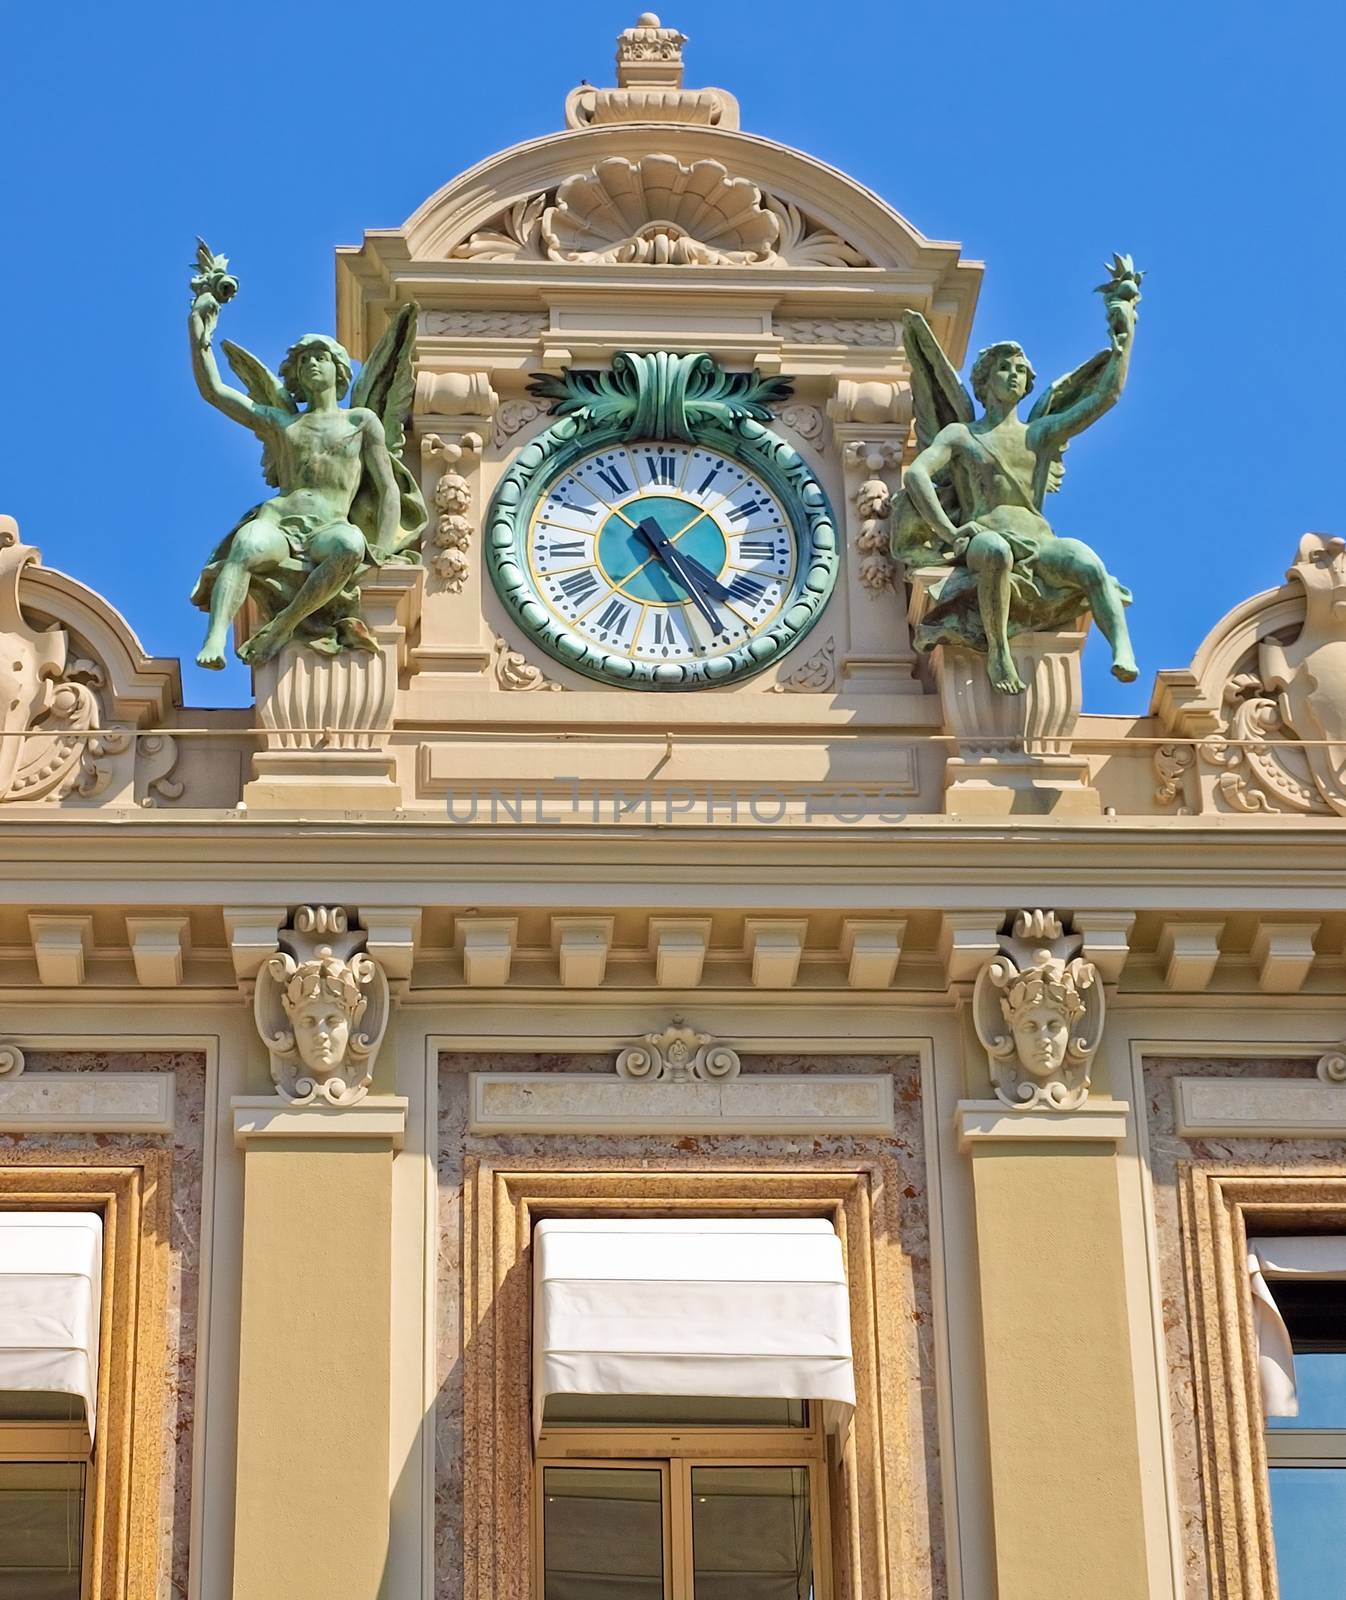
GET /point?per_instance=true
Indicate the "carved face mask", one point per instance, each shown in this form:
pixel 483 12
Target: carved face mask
pixel 322 1031
pixel 1041 1034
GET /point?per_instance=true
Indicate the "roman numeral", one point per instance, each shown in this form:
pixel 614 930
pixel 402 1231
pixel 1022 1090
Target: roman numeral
pixel 749 590
pixel 756 549
pixel 709 478
pixel 663 469
pixel 569 505
pixel 663 628
pixel 614 616
pixel 578 586
pixel 748 509
pixel 614 480
pixel 565 550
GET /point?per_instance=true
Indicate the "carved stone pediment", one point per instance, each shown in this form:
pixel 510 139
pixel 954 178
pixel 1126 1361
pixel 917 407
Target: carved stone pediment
pixel 659 211
pixel 69 670
pixel 1264 705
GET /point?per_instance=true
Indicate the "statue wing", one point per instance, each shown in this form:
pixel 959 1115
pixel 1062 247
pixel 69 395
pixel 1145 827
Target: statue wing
pixel 938 399
pixel 264 389
pixel 387 384
pixel 1059 396
pixel 937 392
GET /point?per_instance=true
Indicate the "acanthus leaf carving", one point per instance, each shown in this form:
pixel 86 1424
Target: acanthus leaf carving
pixel 321 1005
pixel 816 675
pixel 513 670
pixel 1038 1008
pixel 678 1054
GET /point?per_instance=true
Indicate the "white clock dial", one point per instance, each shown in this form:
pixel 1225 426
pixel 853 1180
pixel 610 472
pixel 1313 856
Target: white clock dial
pixel 662 553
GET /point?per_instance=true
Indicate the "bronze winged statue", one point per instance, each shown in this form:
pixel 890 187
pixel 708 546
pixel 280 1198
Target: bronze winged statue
pixel 346 498
pixel 973 496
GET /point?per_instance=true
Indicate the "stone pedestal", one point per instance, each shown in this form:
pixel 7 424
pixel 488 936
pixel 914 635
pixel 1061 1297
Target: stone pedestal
pixel 1011 753
pixel 327 720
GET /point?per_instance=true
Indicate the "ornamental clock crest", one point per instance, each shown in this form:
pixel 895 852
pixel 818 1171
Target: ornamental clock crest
pixel 659 535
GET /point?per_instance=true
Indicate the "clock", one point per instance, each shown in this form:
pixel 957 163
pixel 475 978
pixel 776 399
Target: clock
pixel 688 557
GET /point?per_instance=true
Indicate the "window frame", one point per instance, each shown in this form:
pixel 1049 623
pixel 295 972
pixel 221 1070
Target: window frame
pixel 1222 1207
pixel 503 1197
pixel 129 1188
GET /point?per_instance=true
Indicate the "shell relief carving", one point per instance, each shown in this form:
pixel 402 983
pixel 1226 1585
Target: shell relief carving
pixel 658 211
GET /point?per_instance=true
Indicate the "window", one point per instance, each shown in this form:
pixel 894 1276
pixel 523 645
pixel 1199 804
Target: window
pixel 688 1375
pixel 644 1498
pixel 1301 1320
pixel 51 1268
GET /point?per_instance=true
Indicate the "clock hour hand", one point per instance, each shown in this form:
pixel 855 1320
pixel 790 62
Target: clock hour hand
pixel 663 548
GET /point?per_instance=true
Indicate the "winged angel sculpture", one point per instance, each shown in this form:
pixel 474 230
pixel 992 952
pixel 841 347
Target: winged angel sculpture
pixel 973 496
pixel 346 499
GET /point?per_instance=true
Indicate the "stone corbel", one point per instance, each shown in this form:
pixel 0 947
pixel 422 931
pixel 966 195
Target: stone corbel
pixel 1038 1008
pixel 321 1004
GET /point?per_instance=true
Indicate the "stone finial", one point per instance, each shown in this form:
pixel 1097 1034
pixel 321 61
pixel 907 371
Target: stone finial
pixel 1038 1010
pixel 321 1007
pixel 649 53
pixel 649 85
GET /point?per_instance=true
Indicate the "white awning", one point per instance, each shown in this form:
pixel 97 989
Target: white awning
pixel 51 1276
pixel 1300 1256
pixel 751 1307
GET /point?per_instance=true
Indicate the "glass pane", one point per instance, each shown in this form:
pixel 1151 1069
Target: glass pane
pixel 670 1411
pixel 603 1533
pixel 751 1533
pixel 1308 1510
pixel 41 1530
pixel 40 1405
pixel 1320 1379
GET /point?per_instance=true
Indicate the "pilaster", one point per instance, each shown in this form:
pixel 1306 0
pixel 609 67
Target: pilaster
pixel 314 1347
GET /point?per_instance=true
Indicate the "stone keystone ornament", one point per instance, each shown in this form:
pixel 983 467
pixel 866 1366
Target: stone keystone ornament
pixel 973 496
pixel 322 1009
pixel 1038 1010
pixel 346 500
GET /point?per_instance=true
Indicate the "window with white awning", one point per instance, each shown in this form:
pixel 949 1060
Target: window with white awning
pixel 51 1273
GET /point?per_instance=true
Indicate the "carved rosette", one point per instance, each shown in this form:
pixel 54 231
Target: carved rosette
pixel 678 1054
pixel 1331 1067
pixel 1038 1009
pixel 321 1005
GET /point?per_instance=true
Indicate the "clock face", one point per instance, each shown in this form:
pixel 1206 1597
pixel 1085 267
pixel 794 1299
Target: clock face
pixel 668 555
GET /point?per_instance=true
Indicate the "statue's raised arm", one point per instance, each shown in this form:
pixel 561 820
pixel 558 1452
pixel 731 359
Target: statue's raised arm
pixel 973 496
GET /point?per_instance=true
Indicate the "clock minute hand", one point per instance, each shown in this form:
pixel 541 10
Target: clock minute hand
pixel 704 576
pixel 663 548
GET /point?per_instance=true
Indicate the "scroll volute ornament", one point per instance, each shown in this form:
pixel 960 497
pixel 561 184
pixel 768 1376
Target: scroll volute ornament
pixel 322 1007
pixel 1038 1008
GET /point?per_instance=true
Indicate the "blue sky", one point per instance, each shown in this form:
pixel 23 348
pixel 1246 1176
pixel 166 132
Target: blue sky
pixel 1204 138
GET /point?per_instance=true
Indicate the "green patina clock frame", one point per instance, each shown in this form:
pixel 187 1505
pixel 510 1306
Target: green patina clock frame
pixel 688 399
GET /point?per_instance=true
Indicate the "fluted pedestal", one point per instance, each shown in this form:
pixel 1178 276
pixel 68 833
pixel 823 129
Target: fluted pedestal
pixel 327 721
pixel 1011 753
